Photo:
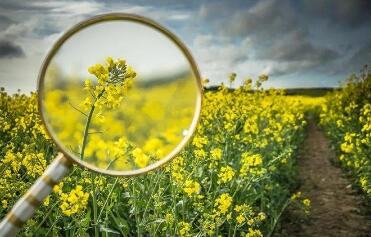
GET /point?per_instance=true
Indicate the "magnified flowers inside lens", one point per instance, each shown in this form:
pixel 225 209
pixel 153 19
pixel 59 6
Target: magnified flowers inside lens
pixel 107 116
pixel 113 79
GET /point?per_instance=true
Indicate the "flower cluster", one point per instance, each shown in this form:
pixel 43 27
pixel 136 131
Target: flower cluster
pixel 346 117
pixel 223 203
pixel 113 80
pixel 191 187
pixel 226 174
pixel 74 201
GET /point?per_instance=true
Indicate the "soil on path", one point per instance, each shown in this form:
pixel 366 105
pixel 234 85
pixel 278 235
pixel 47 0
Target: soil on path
pixel 337 209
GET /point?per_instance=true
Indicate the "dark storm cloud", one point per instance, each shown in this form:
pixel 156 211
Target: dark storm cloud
pixel 279 33
pixel 360 58
pixel 263 20
pixel 345 13
pixel 363 55
pixel 20 5
pixel 10 50
pixel 4 22
pixel 278 37
pixel 296 47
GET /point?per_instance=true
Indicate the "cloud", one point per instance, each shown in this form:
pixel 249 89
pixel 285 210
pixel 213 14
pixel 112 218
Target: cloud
pixel 285 38
pixel 17 5
pixel 22 29
pixel 211 48
pixel 70 8
pixel 355 13
pixel 10 50
pixel 5 22
pixel 362 56
pixel 296 47
pixel 35 26
pixel 279 35
pixel 217 56
pixel 263 20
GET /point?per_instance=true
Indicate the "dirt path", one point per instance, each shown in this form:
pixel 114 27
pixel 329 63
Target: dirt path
pixel 336 208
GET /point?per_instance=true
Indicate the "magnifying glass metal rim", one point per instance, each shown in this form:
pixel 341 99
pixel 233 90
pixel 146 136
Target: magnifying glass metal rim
pixel 147 22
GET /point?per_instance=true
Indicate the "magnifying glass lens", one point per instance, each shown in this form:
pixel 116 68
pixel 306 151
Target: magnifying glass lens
pixel 119 96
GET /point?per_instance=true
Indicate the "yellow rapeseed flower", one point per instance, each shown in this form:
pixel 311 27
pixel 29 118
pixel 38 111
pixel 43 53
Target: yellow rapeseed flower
pixel 191 187
pixel 223 202
pixel 184 229
pixel 240 218
pixel 226 174
pixel 140 159
pixel 74 201
pixel 254 233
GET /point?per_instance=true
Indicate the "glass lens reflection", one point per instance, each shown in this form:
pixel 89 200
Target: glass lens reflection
pixel 119 95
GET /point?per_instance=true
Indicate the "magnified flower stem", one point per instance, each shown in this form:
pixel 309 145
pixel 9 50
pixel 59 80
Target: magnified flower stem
pixel 87 125
pixel 114 78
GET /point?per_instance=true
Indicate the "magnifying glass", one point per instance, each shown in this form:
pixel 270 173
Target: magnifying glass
pixel 120 95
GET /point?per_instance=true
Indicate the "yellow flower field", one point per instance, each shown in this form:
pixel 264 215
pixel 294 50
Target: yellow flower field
pixel 232 179
pixel 346 116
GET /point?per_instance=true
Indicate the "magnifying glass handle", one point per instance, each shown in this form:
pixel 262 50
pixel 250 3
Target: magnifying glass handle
pixel 26 206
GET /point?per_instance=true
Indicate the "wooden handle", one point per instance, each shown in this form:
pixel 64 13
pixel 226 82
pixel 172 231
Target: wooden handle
pixel 26 206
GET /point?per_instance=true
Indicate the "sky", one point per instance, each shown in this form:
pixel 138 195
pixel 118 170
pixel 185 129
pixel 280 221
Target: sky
pixel 298 43
pixel 128 40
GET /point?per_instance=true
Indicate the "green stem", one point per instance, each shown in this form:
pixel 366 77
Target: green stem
pixel 117 223
pixel 95 212
pixel 87 125
pixel 108 197
pixel 86 131
pixel 235 231
pixel 278 217
pixel 47 215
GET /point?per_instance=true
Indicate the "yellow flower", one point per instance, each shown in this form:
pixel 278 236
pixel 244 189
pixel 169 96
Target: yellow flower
pixel 58 188
pixel 87 103
pixel 199 142
pixel 223 202
pixel 226 174
pixel 169 217
pixel 243 208
pixel 251 159
pixel 346 147
pixel 46 201
pixel 261 216
pixel 306 202
pixel 296 196
pixel 184 228
pixel 240 218
pixel 200 153
pixel 250 221
pixel 254 233
pixel 153 146
pixel 87 84
pixel 238 208
pixel 250 163
pixel 74 202
pixel 363 181
pixel 216 153
pixel 140 159
pixel 229 216
pixel 191 187
pixel 4 203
